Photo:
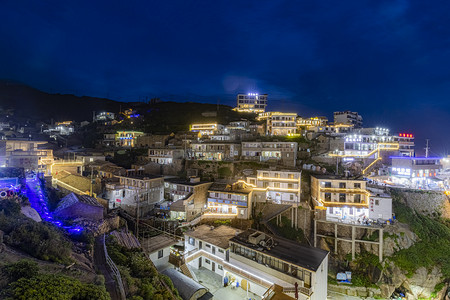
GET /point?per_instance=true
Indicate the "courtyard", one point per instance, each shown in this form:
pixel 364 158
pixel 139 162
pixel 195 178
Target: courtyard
pixel 213 282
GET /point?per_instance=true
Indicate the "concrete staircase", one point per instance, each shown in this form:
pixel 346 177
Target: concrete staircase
pixel 185 270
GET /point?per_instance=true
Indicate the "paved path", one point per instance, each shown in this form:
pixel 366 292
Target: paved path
pixel 101 265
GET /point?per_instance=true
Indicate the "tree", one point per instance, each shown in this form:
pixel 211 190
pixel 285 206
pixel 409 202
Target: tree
pixel 22 269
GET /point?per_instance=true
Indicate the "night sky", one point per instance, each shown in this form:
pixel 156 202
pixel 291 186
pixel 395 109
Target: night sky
pixel 388 60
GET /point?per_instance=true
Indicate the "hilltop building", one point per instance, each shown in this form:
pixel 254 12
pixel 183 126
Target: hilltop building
pixel 252 103
pixel 348 118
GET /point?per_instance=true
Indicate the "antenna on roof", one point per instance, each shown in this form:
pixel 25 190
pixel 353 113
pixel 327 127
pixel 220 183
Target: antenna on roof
pixel 427 148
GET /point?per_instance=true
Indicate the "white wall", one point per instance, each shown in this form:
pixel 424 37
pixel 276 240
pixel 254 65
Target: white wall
pixel 381 211
pixel 320 281
pixel 162 262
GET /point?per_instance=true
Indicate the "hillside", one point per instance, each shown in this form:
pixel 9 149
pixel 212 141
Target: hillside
pixel 29 103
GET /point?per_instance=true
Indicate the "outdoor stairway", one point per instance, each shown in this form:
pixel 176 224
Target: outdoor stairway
pixel 185 270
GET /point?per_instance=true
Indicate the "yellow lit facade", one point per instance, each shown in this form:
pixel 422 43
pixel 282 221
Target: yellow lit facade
pixel 278 123
pixel 281 187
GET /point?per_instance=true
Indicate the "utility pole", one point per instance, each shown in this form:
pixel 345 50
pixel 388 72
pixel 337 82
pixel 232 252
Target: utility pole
pixel 427 149
pixel 137 215
pixel 92 173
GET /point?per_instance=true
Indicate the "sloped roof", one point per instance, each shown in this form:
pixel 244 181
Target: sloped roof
pixel 186 286
pixel 73 198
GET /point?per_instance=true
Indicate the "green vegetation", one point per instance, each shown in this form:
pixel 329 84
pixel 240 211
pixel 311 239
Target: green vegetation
pixel 366 264
pixel 54 287
pixel 374 236
pixel 222 222
pixel 224 172
pixel 143 280
pixel 287 231
pixel 434 244
pixel 40 240
pixel 22 269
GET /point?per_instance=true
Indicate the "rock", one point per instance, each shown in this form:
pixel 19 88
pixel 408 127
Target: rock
pixel 391 279
pixel 31 213
pixel 386 290
pixel 422 283
pixel 397 237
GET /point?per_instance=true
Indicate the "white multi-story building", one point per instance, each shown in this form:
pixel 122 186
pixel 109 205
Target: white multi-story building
pixel 26 154
pixel 127 138
pixel 406 144
pixel 313 121
pixel 189 197
pixel 164 156
pixel 104 116
pixel 281 187
pixel 216 151
pixel 348 199
pixel 229 201
pixel 284 153
pixel 416 172
pixel 136 194
pixel 365 141
pixel 253 103
pixel 61 128
pixel 206 129
pixel 349 118
pixel 258 262
pixel 278 123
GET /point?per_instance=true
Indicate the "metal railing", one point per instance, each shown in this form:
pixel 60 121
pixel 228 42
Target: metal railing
pixel 114 269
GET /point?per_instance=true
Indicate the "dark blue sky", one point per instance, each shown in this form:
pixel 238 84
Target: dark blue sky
pixel 388 60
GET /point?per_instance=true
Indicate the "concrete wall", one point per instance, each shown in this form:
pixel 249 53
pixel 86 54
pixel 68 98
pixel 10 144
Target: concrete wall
pixel 160 263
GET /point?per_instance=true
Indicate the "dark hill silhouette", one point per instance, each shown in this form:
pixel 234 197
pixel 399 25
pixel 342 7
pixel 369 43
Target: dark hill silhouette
pixel 28 102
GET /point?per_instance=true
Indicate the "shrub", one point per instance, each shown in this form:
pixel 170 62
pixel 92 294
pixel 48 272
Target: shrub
pixel 53 286
pixel 22 269
pixel 40 240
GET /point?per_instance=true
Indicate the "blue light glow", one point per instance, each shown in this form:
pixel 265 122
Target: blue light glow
pixel 38 201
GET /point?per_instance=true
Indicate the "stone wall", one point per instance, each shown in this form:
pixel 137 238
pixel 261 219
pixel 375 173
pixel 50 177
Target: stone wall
pixel 431 203
pixel 355 291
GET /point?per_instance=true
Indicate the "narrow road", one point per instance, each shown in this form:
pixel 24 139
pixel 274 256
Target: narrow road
pixel 102 266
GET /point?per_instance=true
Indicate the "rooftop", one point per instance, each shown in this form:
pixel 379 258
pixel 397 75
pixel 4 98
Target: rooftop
pixel 156 243
pixel 184 181
pixel 218 236
pixel 337 177
pixel 229 188
pixel 301 255
pixel 141 177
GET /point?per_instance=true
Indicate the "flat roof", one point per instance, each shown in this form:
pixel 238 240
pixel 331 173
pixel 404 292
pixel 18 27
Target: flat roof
pixel 217 236
pixel 141 177
pixel 414 157
pixel 337 177
pixel 289 251
pixel 184 181
pixel 222 187
pixel 156 243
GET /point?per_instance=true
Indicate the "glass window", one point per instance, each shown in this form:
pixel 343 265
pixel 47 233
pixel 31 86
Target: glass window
pixel 191 241
pixel 160 253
